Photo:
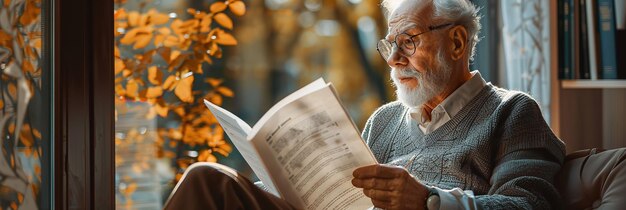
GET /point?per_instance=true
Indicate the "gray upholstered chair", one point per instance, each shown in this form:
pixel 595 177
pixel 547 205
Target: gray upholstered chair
pixel 593 179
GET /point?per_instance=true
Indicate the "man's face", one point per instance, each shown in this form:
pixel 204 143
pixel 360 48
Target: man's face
pixel 424 74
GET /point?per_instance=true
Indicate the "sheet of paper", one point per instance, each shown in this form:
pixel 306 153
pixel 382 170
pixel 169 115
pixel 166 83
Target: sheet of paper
pixel 317 147
pixel 238 131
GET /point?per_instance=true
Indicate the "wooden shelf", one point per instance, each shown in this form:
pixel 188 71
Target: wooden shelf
pixel 593 84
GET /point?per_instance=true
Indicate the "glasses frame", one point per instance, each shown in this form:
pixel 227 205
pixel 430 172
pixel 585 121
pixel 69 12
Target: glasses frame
pixel 403 50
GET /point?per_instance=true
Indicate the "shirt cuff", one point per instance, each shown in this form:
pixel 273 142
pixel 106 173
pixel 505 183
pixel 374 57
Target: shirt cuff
pixel 456 199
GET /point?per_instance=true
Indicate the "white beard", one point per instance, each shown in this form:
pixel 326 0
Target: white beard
pixel 429 84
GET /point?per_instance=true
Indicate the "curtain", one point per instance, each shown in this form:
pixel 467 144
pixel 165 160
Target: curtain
pixel 525 41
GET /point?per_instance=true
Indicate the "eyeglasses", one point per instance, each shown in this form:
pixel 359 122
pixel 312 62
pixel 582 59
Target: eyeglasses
pixel 405 42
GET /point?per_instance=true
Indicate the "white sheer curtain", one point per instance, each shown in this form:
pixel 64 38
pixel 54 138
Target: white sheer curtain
pixel 525 40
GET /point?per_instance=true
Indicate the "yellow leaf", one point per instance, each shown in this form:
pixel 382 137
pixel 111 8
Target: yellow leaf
pixel 117 52
pixel 171 41
pixel 126 72
pixel 217 7
pixel 180 111
pixel 132 35
pixel 155 76
pixel 132 89
pixel 205 24
pixel 158 39
pixel 206 156
pixel 225 91
pixel 161 109
pixel 238 8
pixel 154 92
pixel 170 83
pixel 159 18
pixel 174 55
pixel 120 14
pixel 119 65
pixel 119 90
pixel 164 31
pixel 142 40
pixel 224 38
pixel 183 89
pixel 224 20
pixel 175 134
pixel 216 99
pixel 133 18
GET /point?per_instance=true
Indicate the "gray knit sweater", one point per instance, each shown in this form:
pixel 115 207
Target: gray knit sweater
pixel 498 146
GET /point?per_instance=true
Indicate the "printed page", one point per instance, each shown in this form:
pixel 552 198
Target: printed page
pixel 317 147
pixel 238 131
pixel 315 85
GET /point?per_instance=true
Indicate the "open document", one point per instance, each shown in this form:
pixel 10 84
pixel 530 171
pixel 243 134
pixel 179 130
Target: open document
pixel 304 149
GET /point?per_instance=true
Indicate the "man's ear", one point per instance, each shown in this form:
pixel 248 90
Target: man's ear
pixel 458 35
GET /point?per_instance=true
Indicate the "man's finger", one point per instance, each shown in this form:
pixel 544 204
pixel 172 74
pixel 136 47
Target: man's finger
pixel 379 171
pixel 379 184
pixel 381 195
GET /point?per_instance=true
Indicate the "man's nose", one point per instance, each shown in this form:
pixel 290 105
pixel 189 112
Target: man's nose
pixel 396 58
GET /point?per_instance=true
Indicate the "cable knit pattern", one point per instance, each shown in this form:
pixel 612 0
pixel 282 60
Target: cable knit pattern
pixel 498 146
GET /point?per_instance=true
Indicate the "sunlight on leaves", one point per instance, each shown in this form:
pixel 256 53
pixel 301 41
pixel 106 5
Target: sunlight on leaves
pixel 223 20
pixel 237 7
pixel 217 7
pixel 158 56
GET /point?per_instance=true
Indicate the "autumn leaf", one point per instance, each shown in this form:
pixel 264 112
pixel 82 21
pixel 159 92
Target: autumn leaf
pixel 119 65
pixel 133 18
pixel 238 8
pixel 161 109
pixel 142 40
pixel 155 76
pixel 206 156
pixel 158 18
pixel 183 89
pixel 154 92
pixel 223 20
pixel 1 104
pixel 225 91
pixel 224 38
pixel 170 83
pixel 132 89
pixel 217 7
pixel 216 99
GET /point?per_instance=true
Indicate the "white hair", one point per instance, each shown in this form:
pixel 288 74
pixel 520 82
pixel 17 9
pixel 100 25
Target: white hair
pixel 461 12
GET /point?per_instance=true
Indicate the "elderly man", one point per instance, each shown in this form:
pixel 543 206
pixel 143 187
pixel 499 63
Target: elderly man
pixel 452 141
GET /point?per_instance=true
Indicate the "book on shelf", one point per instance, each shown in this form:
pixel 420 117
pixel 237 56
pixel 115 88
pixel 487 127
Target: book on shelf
pixel 304 149
pixel 592 38
pixel 606 27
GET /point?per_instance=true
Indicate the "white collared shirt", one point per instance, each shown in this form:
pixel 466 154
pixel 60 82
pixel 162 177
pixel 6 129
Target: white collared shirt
pixel 450 106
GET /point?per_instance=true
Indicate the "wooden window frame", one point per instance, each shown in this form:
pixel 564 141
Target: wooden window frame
pixel 83 98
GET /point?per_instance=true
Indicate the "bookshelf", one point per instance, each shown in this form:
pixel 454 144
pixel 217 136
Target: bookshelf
pixel 585 113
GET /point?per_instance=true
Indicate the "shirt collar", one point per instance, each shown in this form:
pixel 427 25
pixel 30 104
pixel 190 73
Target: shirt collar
pixel 453 104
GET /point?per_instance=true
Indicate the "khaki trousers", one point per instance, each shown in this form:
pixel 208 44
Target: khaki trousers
pixel 215 186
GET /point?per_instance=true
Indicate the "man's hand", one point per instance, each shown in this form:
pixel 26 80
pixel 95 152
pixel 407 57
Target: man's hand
pixel 390 187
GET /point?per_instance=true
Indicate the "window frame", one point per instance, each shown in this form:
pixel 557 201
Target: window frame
pixel 83 106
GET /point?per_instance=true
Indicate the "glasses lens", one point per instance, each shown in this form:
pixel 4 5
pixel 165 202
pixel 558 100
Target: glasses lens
pixel 406 43
pixel 384 48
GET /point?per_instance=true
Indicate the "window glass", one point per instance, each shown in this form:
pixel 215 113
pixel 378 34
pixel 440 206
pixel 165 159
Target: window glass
pixel 24 106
